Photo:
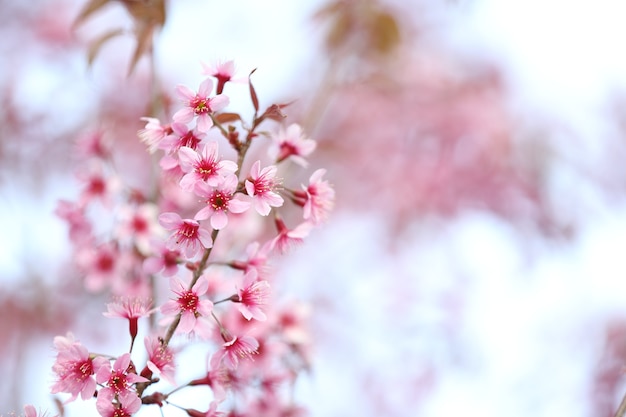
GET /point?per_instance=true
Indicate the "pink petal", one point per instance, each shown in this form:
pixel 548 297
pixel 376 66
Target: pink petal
pixel 219 220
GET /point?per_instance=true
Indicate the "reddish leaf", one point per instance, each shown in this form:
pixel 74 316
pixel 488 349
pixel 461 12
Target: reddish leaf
pixel 253 96
pixel 227 117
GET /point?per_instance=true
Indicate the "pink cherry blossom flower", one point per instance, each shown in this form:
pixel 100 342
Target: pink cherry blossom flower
pixel 253 298
pixel 96 185
pixel 153 133
pixel 256 257
pixel 79 226
pixel 131 309
pixel 219 201
pixel 199 104
pixel 317 199
pixel 261 186
pixel 118 379
pixel 101 265
pixel 291 143
pixel 203 166
pixel 127 403
pixel 224 71
pixel 160 359
pixel 187 236
pixel 189 304
pixel 234 350
pixel 74 368
pixel 287 238
pixel 138 223
pixel 162 260
pixel 181 136
pixel 94 145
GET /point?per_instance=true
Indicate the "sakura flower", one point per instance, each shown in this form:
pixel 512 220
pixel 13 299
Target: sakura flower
pixel 286 238
pixel 257 257
pixel 187 236
pixel 261 186
pixel 189 304
pixel 163 260
pixel 153 133
pixel 74 368
pixel 96 185
pixel 199 104
pixel 253 297
pixel 219 201
pixel 140 224
pixel 203 166
pixel 317 199
pixel 234 350
pixel 160 359
pixel 181 136
pixel 127 404
pixel 101 265
pixel 131 309
pixel 291 143
pixel 74 215
pixel 224 71
pixel 93 145
pixel 119 378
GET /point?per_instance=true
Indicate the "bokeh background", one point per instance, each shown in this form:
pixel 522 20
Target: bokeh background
pixel 475 260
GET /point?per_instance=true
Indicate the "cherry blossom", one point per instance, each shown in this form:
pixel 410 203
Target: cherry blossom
pixel 74 368
pixel 317 199
pixel 163 260
pixel 234 350
pixel 292 143
pixel 187 236
pixel 261 186
pixel 153 133
pixel 118 378
pixel 131 309
pixel 287 238
pixel 203 166
pixel 199 104
pixel 181 136
pixel 219 201
pixel 127 404
pixel 160 359
pixel 224 71
pixel 253 298
pixel 189 304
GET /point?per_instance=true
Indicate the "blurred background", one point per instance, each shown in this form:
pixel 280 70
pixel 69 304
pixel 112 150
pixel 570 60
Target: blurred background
pixel 474 263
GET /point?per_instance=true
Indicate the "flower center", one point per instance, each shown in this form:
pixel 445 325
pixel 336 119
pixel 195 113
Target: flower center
pixel 187 231
pixel 219 201
pixel 190 140
pixel 188 301
pixel 201 106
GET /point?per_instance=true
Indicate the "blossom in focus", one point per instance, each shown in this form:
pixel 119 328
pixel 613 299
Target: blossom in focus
pixel 187 235
pixel 199 105
pixel 219 201
pixel 203 166
pixel 189 304
pixel 74 368
pixel 127 404
pixel 160 359
pixel 131 309
pixel 118 379
pixel 261 186
pixel 291 143
pixel 181 136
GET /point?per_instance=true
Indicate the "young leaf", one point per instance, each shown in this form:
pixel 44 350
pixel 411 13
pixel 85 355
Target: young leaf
pixel 253 96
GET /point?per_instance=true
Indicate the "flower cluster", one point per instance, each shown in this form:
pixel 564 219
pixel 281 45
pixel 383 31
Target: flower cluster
pixel 204 236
